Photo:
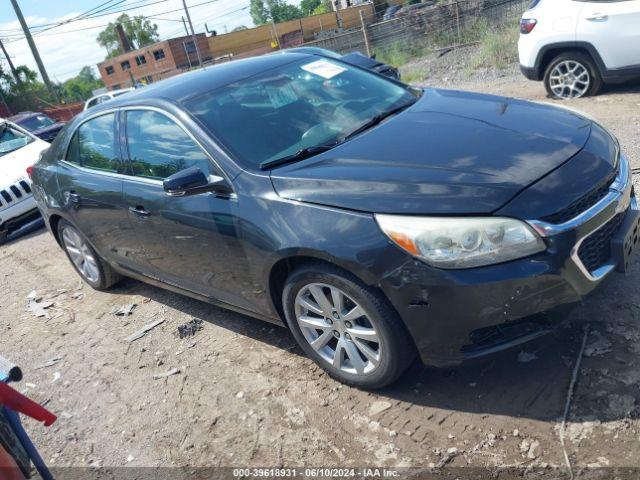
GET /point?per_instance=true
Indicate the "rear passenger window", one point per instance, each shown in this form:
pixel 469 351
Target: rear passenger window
pixel 93 145
pixel 158 147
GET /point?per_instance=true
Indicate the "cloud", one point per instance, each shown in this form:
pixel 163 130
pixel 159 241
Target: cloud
pixel 66 49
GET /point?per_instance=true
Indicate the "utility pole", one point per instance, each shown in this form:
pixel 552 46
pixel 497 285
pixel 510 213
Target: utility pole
pixel 193 34
pixel 34 50
pixel 185 25
pixel 11 66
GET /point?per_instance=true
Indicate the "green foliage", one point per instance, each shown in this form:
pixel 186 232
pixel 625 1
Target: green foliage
pixel 139 31
pixel 308 6
pixel 324 7
pixel 81 87
pixel 263 12
pixel 31 94
pixel 498 47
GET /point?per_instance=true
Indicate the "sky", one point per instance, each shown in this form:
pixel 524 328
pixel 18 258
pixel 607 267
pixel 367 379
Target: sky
pixel 66 49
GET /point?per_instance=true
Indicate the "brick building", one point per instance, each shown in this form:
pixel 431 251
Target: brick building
pixel 153 62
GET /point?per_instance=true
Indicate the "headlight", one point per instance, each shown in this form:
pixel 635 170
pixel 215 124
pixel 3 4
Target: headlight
pixel 456 243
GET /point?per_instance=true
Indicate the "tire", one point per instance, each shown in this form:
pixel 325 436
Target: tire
pixel 100 276
pixel 394 347
pixel 584 62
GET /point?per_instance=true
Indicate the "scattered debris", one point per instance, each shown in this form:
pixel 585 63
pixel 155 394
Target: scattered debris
pixel 189 345
pixel 526 357
pixel 125 310
pixel 49 363
pixel 240 395
pixel 56 377
pixel 39 309
pixel 190 328
pixel 173 371
pixel 599 463
pixel 142 332
pixel 567 405
pixel 516 432
pixel 452 453
pixel 77 295
pixel 599 346
pixel 33 295
pixel 379 407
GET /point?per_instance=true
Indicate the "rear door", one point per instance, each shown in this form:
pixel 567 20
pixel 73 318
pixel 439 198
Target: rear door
pixel 613 28
pixel 188 241
pixel 90 181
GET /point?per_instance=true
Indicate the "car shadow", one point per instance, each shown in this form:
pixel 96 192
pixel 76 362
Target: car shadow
pixel 24 233
pixel 529 381
pixel 631 86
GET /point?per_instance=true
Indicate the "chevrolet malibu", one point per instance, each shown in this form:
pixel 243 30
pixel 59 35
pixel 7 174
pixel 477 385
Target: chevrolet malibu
pixel 377 221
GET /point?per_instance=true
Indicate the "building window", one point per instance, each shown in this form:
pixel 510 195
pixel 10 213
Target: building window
pixel 125 65
pixel 140 60
pixel 158 54
pixel 190 47
pixel 110 70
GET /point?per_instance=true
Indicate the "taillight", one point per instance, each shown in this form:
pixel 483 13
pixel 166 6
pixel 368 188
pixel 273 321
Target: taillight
pixel 30 172
pixel 527 25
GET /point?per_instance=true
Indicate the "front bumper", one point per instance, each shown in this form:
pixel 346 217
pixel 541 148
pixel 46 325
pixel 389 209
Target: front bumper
pixel 454 315
pixel 530 73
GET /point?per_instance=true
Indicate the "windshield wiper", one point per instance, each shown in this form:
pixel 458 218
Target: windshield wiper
pixel 373 121
pixel 299 155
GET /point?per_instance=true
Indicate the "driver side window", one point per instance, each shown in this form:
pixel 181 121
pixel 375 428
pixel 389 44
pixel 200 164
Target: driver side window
pixel 158 147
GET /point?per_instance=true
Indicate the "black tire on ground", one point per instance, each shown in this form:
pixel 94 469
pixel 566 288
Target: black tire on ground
pixel 107 275
pixel 397 345
pixel 586 61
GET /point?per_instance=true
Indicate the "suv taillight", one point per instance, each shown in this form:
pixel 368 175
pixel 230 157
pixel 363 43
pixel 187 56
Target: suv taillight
pixel 30 172
pixel 527 25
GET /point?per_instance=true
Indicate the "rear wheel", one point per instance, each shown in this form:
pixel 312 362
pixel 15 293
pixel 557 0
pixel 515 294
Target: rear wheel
pixel 346 327
pixel 93 270
pixel 572 75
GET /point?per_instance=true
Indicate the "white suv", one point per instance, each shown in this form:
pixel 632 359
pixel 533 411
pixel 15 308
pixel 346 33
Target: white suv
pixel 19 150
pixel 576 45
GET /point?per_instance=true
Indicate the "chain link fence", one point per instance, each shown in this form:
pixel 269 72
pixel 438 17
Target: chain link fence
pixel 431 24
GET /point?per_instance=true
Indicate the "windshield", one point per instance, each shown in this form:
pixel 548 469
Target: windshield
pixel 296 107
pixel 36 122
pixel 12 139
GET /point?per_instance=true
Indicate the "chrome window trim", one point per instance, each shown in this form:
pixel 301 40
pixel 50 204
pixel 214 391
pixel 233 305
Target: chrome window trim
pixel 146 180
pixel 619 197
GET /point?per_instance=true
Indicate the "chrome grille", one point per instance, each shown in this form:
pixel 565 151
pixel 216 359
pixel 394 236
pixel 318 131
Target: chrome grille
pixel 582 204
pixel 595 250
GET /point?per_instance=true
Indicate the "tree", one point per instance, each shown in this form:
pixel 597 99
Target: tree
pixel 139 31
pixel 27 94
pixel 81 87
pixel 266 11
pixel 308 6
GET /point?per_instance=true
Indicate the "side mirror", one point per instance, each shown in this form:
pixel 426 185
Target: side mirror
pixel 193 181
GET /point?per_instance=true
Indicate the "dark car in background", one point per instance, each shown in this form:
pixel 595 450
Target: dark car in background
pixel 39 124
pixel 375 220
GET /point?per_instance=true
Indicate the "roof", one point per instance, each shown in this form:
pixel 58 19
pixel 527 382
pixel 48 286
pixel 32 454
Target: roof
pixel 194 83
pixel 18 117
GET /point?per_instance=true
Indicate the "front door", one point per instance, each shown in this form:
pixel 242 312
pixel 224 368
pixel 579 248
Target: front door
pixel 613 28
pixel 91 189
pixel 188 241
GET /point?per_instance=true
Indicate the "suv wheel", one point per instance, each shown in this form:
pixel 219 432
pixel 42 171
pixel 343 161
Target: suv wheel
pixel 93 270
pixel 347 328
pixel 572 75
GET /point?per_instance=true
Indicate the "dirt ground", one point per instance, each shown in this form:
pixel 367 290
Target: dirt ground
pixel 246 396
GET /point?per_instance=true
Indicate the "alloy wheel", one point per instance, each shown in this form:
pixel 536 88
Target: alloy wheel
pixel 338 329
pixel 569 79
pixel 81 254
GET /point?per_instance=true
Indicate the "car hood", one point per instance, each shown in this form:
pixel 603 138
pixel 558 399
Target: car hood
pixel 55 127
pixel 449 153
pixel 13 165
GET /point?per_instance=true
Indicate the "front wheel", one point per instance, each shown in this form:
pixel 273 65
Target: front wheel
pixel 572 75
pixel 93 270
pixel 346 327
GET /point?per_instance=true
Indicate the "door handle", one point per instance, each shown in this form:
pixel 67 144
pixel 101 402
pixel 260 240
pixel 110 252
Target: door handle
pixel 598 17
pixel 74 198
pixel 139 211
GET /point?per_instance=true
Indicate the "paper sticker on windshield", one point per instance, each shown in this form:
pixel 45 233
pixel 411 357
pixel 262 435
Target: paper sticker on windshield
pixel 324 69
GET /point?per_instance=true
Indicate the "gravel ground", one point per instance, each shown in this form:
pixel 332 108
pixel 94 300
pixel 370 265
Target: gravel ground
pixel 245 396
